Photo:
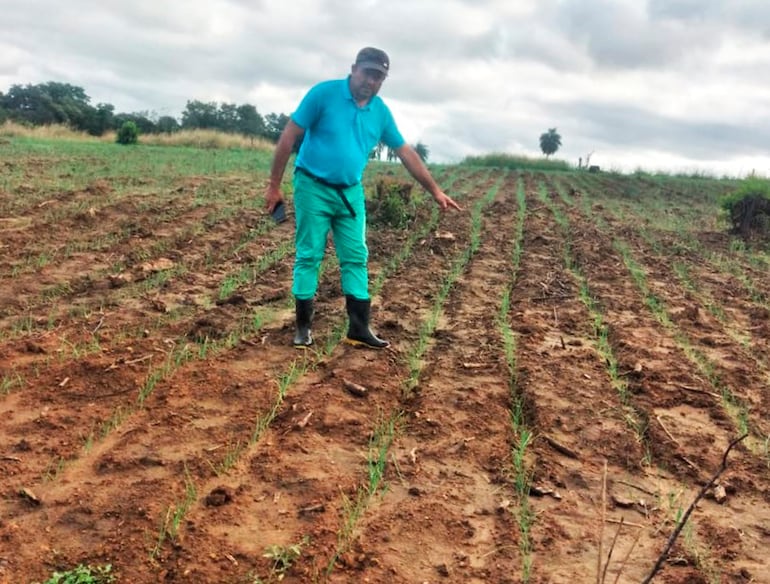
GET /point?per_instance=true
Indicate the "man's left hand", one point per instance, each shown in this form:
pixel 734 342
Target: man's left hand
pixel 445 201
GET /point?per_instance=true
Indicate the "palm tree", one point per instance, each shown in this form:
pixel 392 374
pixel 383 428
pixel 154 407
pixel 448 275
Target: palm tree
pixel 376 153
pixel 422 151
pixel 550 142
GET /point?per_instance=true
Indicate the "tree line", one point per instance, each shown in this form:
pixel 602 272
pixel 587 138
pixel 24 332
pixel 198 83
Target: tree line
pixel 61 103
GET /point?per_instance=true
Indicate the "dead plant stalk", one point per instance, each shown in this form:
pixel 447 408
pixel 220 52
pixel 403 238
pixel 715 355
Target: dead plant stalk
pixel 677 530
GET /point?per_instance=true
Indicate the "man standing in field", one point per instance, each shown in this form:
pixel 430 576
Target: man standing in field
pixel 340 122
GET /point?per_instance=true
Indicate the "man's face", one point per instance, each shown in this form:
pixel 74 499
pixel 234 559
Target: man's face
pixel 365 83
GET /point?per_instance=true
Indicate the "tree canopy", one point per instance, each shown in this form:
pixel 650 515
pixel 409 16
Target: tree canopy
pixel 62 103
pixel 56 103
pixel 550 142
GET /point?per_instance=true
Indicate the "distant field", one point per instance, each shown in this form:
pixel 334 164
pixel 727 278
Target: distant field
pixel 570 352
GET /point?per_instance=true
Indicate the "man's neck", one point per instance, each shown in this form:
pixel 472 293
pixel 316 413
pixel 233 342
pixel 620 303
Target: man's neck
pixel 359 102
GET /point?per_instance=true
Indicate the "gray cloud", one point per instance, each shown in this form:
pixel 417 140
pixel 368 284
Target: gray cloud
pixel 684 79
pixel 631 127
pixel 622 35
pixel 749 16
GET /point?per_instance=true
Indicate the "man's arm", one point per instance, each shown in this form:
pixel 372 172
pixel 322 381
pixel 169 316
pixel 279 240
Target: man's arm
pixel 419 171
pixel 291 133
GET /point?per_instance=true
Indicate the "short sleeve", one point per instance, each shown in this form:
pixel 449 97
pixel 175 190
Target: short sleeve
pixel 309 109
pixel 390 133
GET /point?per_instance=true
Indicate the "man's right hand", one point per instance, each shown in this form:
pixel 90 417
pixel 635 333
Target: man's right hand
pixel 273 196
pixel 291 133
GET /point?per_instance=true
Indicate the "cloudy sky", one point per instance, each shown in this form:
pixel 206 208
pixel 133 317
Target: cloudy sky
pixel 676 85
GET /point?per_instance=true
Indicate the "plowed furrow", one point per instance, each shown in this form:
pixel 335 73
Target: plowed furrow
pixel 207 444
pixel 578 418
pixel 451 460
pixel 687 430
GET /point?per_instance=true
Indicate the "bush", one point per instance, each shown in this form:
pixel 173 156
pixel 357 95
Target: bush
pixel 128 133
pixel 392 204
pixel 748 207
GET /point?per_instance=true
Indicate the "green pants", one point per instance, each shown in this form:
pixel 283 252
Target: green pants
pixel 318 209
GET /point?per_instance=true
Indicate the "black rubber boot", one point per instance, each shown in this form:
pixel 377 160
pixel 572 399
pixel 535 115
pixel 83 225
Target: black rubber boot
pixel 359 332
pixel 304 312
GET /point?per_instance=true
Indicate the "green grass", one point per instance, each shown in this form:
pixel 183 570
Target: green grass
pixel 75 164
pixel 511 162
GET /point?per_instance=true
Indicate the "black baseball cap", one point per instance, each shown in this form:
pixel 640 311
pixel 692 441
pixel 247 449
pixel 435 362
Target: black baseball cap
pixel 371 58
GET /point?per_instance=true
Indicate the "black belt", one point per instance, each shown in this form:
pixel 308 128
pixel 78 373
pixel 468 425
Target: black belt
pixel 338 187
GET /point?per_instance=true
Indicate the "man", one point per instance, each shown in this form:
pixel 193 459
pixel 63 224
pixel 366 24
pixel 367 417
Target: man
pixel 339 122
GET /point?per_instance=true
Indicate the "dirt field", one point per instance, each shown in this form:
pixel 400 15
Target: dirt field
pixel 572 355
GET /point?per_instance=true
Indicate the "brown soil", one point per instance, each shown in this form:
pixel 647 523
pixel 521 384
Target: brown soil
pixel 148 423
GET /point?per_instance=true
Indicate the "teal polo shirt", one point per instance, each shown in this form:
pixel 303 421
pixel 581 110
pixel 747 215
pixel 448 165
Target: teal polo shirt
pixel 340 135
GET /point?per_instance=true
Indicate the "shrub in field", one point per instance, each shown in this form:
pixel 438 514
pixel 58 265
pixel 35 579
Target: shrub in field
pixel 392 204
pixel 128 133
pixel 748 207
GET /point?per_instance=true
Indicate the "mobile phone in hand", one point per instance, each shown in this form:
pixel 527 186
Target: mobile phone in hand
pixel 279 212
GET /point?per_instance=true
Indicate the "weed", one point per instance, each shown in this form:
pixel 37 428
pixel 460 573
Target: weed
pixel 392 204
pixel 83 575
pixel 283 556
pixel 8 382
pixel 25 324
